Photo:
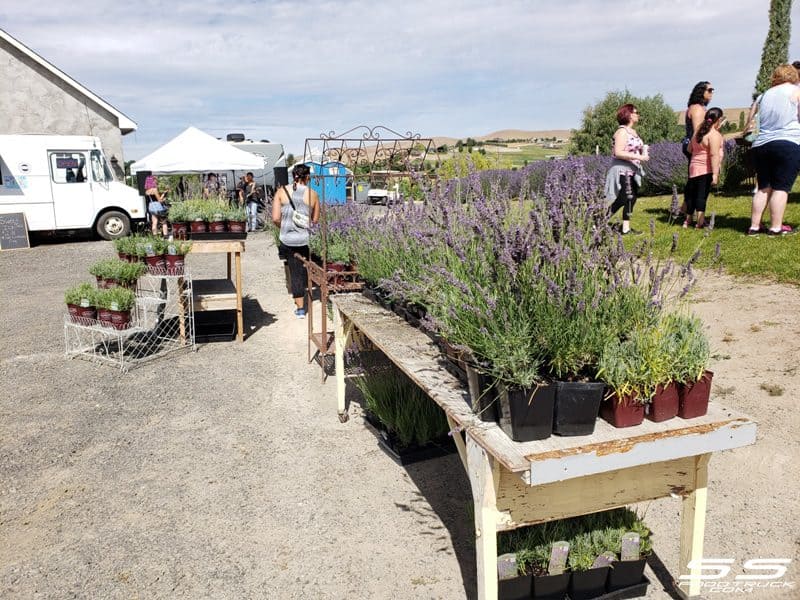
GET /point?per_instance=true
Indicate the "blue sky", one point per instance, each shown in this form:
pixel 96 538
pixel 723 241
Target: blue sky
pixel 287 71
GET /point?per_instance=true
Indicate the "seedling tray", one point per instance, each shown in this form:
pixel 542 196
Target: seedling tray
pixel 406 455
pixel 634 591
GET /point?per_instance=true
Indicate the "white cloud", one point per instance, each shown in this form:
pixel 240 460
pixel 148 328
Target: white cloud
pixel 286 71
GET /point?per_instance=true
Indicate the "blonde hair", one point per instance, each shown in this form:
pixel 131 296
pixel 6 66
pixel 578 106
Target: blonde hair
pixel 784 74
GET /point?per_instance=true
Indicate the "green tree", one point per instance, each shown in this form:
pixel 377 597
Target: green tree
pixel 657 122
pixel 741 121
pixel 290 160
pixel 462 164
pixel 776 46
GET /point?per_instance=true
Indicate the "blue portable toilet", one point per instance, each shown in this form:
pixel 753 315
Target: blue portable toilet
pixel 330 181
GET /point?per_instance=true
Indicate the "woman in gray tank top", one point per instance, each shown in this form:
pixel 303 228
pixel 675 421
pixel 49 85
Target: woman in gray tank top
pixel 293 209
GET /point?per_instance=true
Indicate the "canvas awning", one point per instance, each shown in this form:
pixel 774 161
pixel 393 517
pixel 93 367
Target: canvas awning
pixel 195 151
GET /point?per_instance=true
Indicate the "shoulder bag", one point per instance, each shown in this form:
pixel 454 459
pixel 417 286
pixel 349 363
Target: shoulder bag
pixel 299 219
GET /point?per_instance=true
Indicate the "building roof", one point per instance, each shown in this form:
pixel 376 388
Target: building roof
pixel 126 124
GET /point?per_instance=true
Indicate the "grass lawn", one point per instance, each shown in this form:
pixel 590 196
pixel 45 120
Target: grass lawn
pixel 763 257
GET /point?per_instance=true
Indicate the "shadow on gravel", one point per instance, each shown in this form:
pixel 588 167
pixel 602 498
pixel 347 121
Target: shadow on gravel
pixel 664 577
pixel 443 505
pixel 444 486
pixel 254 316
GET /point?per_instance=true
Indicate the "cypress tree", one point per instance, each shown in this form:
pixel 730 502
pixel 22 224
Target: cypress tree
pixel 776 46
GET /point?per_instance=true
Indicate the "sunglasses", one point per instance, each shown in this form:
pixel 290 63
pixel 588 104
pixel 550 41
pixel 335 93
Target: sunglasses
pixel 710 90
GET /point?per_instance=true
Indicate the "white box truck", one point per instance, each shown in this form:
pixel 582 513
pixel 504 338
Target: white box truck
pixel 63 182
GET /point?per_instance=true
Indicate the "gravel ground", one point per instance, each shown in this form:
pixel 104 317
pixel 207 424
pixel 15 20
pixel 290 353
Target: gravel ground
pixel 225 473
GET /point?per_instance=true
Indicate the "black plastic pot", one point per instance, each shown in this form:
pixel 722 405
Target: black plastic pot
pixel 576 407
pixel 625 573
pixel 516 588
pixel 483 395
pixel 531 411
pixel 591 583
pixel 551 587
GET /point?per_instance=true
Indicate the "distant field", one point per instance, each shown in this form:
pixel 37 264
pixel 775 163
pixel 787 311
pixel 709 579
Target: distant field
pixel 518 155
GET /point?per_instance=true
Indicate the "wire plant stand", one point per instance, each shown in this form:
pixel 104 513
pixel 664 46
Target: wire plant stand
pixel 365 149
pixel 162 322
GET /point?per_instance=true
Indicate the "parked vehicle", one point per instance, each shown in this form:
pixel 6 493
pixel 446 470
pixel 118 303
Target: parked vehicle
pixel 63 182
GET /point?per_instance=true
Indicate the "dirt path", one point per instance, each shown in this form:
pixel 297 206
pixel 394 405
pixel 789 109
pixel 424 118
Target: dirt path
pixel 226 474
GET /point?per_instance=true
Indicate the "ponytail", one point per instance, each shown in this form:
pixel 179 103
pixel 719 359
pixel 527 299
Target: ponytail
pixel 712 116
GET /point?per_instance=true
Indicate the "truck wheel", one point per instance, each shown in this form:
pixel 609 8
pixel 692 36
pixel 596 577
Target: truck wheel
pixel 113 224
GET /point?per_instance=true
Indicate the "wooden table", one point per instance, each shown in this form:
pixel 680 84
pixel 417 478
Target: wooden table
pixel 221 294
pixel 516 484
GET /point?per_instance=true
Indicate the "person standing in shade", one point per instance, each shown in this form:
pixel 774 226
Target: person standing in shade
pixel 625 175
pixel 707 151
pixel 249 198
pixel 211 188
pixel 776 150
pixel 293 210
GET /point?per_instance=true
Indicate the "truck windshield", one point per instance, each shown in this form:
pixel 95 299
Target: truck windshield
pixel 100 169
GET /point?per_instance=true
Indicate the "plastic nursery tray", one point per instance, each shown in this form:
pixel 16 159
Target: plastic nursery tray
pixel 215 326
pixel 633 591
pixel 409 454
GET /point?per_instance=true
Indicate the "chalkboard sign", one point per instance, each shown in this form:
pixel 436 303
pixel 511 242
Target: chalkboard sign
pixel 13 231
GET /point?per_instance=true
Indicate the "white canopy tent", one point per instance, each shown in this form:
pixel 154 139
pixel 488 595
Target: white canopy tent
pixel 195 151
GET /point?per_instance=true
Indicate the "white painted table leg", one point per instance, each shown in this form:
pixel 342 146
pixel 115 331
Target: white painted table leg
pixel 693 524
pixel 484 477
pixel 341 334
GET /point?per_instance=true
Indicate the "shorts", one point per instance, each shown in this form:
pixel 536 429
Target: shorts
pixel 777 164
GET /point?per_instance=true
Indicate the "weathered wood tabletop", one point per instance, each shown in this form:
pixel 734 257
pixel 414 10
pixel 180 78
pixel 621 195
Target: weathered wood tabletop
pixel 516 484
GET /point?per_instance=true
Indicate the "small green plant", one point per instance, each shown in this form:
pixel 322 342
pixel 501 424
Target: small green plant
pixel 77 293
pixel 116 298
pixel 402 406
pixel 235 213
pixel 129 272
pixel 180 248
pixel 624 369
pixel 104 269
pixel 691 348
pixel 338 249
pixel 178 212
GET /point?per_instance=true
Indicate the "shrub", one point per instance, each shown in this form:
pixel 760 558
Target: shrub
pixel 667 167
pixel 658 122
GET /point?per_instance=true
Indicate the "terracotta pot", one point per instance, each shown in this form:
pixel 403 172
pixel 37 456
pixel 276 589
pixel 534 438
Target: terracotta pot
pixel 237 226
pixel 197 226
pixel 693 397
pixel 664 405
pixel 179 230
pixel 216 227
pixel 74 312
pixel 175 263
pixel 155 264
pixel 622 412
pixel 124 256
pixel 87 314
pixel 120 319
pixel 111 283
pixel 337 267
pixel 101 283
pixel 104 316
